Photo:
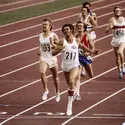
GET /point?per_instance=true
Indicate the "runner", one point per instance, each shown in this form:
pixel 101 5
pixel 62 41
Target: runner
pixel 70 62
pixel 48 40
pixel 93 14
pixel 85 58
pixel 89 20
pixel 117 24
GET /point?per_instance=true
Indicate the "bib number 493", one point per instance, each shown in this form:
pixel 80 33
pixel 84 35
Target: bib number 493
pixel 45 47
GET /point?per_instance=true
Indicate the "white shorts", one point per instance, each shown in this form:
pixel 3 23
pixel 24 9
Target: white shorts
pixel 52 62
pixel 117 41
pixel 66 67
pixel 93 35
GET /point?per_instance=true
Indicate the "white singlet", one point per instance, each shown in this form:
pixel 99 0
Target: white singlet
pixel 89 27
pixel 46 51
pixel 118 32
pixel 70 55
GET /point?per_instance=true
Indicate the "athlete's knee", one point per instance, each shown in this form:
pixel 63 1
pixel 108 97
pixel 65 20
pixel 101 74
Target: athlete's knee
pixel 78 77
pixel 43 74
pixel 117 56
pixel 56 79
pixel 120 52
pixel 71 83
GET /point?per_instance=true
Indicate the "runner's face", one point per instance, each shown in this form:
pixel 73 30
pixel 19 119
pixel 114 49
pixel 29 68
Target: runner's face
pixel 45 26
pixel 80 27
pixel 118 12
pixel 84 11
pixel 67 31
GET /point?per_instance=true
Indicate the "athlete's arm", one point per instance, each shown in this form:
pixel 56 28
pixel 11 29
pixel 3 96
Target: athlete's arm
pixel 91 42
pixel 93 22
pixel 38 53
pixel 109 26
pixel 94 16
pixel 80 17
pixel 58 48
pixel 54 41
pixel 82 46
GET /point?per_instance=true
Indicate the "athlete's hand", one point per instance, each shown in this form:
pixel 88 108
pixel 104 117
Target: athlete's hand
pixel 96 51
pixel 38 53
pixel 111 25
pixel 87 53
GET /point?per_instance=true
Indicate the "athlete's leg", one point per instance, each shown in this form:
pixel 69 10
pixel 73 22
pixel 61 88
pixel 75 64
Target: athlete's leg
pixel 43 69
pixel 77 83
pixel 83 72
pixel 121 53
pixel 89 70
pixel 66 74
pixel 118 61
pixel 72 78
pixel 54 72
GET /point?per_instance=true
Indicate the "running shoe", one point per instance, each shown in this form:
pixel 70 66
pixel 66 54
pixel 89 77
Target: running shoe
pixel 83 73
pixel 44 97
pixel 69 110
pixel 123 71
pixel 57 97
pixel 77 98
pixel 120 75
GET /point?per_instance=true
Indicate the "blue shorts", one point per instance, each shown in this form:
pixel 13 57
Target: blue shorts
pixel 85 60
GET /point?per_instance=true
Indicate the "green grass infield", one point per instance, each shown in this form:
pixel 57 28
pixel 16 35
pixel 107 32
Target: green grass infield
pixel 25 13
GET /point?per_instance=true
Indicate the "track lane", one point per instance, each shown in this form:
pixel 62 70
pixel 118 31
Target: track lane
pixel 49 120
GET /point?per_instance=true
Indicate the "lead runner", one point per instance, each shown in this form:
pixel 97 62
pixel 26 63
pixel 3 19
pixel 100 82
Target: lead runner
pixel 70 61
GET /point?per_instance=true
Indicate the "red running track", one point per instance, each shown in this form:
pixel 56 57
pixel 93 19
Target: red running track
pixel 15 100
pixel 21 4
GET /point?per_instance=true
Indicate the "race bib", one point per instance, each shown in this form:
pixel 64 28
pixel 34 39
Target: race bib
pixel 70 55
pixel 119 33
pixel 45 47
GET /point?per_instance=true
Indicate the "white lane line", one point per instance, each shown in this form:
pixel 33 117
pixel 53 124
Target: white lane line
pixel 63 19
pixel 103 100
pixel 8 10
pixel 28 109
pixel 108 114
pixel 8 73
pixel 47 14
pixel 12 91
pixel 60 117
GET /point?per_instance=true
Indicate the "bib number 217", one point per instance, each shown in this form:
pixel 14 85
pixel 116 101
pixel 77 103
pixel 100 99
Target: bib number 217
pixel 70 56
